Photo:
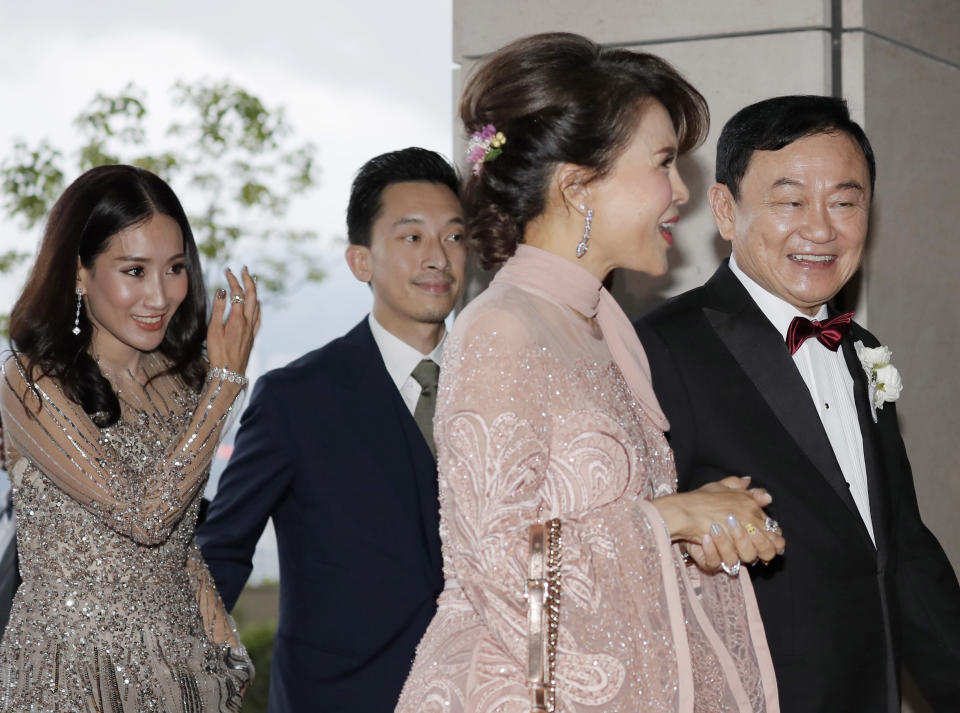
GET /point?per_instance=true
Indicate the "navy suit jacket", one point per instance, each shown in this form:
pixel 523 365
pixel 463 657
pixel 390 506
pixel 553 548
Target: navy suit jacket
pixel 841 615
pixel 328 449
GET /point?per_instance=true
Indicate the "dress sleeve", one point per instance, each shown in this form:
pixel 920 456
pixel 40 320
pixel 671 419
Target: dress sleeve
pixel 218 624
pixel 520 441
pixel 44 426
pixel 492 451
pixel 220 627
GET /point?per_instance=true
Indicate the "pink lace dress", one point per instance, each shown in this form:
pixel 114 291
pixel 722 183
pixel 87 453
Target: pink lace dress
pixel 537 420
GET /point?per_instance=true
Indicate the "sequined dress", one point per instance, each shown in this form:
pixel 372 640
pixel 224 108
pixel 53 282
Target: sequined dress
pixel 117 611
pixel 534 421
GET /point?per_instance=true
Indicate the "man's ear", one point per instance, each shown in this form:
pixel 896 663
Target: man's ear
pixel 358 258
pixel 724 208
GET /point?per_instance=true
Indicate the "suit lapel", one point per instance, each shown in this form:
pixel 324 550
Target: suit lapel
pixel 759 349
pixel 871 448
pixel 402 453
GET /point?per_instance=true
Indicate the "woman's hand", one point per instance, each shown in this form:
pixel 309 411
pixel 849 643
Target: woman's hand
pixel 722 522
pixel 230 340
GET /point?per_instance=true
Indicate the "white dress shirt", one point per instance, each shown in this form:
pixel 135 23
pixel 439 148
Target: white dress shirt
pixel 831 388
pixel 401 359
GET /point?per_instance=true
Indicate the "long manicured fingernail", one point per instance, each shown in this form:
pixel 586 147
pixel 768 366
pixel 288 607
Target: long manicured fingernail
pixel 221 294
pixel 716 529
pixel 732 521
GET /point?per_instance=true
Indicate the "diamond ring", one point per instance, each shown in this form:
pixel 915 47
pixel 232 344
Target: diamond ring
pixel 751 528
pixel 771 525
pixel 733 570
pixel 238 299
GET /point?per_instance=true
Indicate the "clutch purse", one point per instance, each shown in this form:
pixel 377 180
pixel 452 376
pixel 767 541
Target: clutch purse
pixel 542 591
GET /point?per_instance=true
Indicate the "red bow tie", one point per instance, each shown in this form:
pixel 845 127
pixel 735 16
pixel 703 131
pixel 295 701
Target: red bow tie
pixel 828 333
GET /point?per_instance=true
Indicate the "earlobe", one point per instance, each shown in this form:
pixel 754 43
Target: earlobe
pixel 724 209
pixel 358 259
pixel 573 186
pixel 81 277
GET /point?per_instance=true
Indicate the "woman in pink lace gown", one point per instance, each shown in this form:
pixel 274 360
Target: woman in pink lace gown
pixel 546 411
pixel 111 415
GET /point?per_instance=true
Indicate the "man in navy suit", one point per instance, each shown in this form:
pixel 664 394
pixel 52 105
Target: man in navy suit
pixel 337 448
pixel 758 377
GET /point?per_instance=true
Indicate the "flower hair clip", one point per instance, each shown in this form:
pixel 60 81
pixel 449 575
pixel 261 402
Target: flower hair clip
pixel 485 145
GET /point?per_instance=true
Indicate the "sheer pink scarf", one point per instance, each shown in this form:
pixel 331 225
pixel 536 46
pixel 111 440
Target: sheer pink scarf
pixel 571 285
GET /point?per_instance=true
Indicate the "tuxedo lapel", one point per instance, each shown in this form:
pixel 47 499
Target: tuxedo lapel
pixel 879 506
pixel 760 351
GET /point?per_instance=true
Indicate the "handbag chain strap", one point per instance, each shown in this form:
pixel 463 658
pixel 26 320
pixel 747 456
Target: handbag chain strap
pixel 542 592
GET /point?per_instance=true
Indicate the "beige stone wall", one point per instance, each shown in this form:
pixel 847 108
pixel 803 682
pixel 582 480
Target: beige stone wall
pixel 901 76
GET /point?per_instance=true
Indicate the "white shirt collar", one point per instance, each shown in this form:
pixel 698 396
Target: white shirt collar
pixel 775 308
pixel 398 356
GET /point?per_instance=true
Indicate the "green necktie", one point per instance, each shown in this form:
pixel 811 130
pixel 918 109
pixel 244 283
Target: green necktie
pixel 426 374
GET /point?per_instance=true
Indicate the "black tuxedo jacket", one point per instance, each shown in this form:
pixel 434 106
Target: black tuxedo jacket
pixel 328 449
pixel 841 615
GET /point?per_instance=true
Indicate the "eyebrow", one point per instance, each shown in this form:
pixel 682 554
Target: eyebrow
pixel 136 258
pixel 666 149
pixel 855 185
pixel 845 185
pixel 786 182
pixel 408 220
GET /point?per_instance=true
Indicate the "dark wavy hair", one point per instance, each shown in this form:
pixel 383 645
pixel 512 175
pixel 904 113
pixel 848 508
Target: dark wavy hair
pixel 560 98
pixel 99 204
pixel 771 124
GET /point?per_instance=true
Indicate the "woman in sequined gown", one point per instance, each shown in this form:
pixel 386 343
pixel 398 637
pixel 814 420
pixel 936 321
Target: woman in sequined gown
pixel 111 414
pixel 546 411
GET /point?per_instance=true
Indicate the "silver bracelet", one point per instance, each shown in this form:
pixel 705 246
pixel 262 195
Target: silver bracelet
pixel 224 374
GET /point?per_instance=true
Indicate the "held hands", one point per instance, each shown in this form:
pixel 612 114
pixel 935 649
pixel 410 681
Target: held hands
pixel 723 524
pixel 230 340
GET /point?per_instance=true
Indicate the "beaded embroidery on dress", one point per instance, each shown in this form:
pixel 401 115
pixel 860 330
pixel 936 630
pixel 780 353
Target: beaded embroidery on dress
pixel 117 611
pixel 535 421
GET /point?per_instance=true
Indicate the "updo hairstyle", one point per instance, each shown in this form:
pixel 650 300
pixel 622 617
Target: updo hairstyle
pixel 559 98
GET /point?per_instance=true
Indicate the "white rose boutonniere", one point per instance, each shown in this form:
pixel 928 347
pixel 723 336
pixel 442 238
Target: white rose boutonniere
pixel 883 379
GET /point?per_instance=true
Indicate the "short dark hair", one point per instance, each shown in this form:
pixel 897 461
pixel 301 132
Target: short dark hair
pixel 410 164
pixel 560 98
pixel 771 124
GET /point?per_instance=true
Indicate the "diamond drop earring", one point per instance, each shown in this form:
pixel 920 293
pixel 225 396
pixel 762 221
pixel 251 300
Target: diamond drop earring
pixel 583 246
pixel 76 319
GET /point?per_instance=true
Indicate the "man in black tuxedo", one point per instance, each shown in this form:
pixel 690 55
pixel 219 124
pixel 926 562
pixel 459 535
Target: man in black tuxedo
pixel 337 448
pixel 863 586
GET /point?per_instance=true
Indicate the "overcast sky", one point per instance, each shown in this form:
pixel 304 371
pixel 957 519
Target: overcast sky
pixel 356 78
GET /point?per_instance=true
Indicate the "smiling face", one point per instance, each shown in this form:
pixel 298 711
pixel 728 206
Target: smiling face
pixel 636 205
pixel 800 224
pixel 133 289
pixel 416 258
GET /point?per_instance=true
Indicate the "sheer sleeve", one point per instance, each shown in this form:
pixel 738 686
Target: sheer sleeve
pixel 492 433
pixel 219 625
pixel 524 436
pixel 44 426
pixel 514 450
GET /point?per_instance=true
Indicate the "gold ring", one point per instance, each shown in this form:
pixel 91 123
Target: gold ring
pixel 751 529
